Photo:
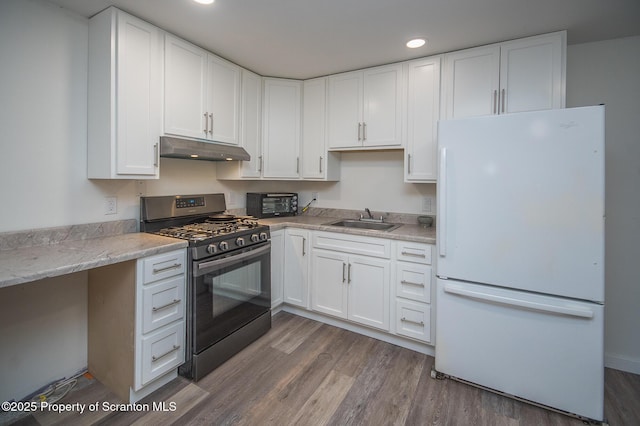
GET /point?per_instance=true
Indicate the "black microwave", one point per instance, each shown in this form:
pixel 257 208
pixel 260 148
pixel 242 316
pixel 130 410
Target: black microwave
pixel 272 204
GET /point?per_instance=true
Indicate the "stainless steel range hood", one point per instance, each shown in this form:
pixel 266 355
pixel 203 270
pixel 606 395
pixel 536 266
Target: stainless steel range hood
pixel 173 147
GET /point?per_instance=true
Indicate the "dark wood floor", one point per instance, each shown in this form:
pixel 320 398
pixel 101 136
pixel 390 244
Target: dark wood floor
pixel 307 373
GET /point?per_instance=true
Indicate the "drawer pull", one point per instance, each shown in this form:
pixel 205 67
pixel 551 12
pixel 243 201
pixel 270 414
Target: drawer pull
pixel 175 302
pixel 170 351
pixel 168 268
pixel 406 253
pixel 403 319
pixel 409 282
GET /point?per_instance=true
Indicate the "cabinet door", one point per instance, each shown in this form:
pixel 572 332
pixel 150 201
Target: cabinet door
pixel 223 100
pixel 382 106
pixel 314 151
pixel 277 268
pixel 329 283
pixel 138 96
pixel 281 128
pixel 251 123
pixel 423 112
pixel 345 110
pixel 184 96
pixel 470 82
pixel 369 283
pixel 296 255
pixel 532 73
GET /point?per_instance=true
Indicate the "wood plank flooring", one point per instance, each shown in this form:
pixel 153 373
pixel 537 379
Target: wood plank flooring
pixel 306 373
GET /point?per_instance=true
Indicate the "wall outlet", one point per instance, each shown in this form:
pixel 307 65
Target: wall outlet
pixel 314 195
pixel 428 204
pixel 110 205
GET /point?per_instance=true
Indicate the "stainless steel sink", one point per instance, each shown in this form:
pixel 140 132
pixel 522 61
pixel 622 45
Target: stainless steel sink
pixel 361 224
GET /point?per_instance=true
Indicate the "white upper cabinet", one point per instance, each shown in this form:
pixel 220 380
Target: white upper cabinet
pixel 281 128
pixel 202 93
pixel 423 112
pixel 251 123
pixel 124 97
pixel 317 163
pixel 520 75
pixel 365 108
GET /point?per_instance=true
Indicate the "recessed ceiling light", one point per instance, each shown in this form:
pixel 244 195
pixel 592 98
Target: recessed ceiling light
pixel 416 42
pixel 204 1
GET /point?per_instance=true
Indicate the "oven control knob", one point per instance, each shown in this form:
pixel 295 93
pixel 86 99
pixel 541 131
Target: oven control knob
pixel 223 246
pixel 255 238
pixel 263 236
pixel 240 242
pixel 212 249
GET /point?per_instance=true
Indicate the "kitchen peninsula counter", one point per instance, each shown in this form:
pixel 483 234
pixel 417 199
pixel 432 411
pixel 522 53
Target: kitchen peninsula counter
pixel 36 254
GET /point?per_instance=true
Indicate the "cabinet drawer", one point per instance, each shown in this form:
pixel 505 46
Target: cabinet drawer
pixel 353 244
pixel 163 266
pixel 162 303
pixel 413 320
pixel 413 252
pixel 413 281
pixel 162 351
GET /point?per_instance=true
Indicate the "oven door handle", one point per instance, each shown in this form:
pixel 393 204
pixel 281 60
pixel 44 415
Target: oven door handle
pixel 221 263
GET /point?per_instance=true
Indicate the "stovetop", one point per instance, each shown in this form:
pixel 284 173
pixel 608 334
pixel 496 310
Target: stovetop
pixel 211 228
pixel 200 220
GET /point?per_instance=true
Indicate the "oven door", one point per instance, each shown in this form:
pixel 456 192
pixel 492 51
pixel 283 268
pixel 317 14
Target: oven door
pixel 230 292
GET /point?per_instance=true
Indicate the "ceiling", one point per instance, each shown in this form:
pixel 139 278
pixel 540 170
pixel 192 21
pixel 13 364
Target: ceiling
pixel 310 38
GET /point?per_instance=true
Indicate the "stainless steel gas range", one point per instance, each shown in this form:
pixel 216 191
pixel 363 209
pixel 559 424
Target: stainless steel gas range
pixel 229 278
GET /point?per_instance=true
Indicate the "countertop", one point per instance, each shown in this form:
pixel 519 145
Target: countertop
pixel 406 232
pixel 25 264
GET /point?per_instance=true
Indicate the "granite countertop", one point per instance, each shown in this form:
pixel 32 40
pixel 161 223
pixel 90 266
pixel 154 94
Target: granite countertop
pixel 406 232
pixel 19 265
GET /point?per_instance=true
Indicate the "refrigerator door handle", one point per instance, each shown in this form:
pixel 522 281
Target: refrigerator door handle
pixel 526 304
pixel 442 203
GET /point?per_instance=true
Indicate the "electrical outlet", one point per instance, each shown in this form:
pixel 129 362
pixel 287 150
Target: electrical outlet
pixel 314 195
pixel 110 205
pixel 427 204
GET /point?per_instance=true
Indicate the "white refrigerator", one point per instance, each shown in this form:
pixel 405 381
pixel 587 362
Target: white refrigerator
pixel 520 267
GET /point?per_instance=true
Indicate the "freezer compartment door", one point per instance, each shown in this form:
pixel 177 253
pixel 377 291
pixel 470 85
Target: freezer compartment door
pixel 544 349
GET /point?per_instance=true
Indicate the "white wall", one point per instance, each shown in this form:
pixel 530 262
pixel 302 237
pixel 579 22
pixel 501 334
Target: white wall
pixel 609 72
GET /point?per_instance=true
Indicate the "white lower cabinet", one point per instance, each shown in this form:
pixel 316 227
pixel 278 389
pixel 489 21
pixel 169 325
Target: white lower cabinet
pixel 412 287
pixel 277 268
pixel 348 285
pixel 136 330
pixel 296 267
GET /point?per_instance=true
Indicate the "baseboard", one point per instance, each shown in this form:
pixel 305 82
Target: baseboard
pixel 619 362
pixel 366 331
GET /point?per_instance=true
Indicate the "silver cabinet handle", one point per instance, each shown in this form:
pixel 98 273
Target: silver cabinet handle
pixel 321 164
pixel 156 154
pixel 403 319
pixel 206 124
pixel 344 265
pixel 364 131
pixel 359 126
pixel 172 350
pixel 411 283
pixel 297 164
pixel 349 274
pixel 495 101
pixel 406 253
pixel 168 268
pixel 159 308
pixel 211 118
pixel 304 242
pixel 502 102
pixel 408 164
pixel 260 163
